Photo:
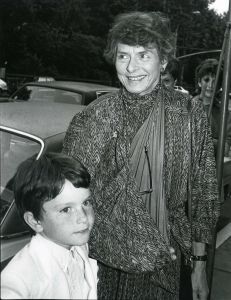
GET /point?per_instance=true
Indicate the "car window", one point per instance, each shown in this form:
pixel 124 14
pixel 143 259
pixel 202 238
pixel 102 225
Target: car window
pixel 14 150
pixel 46 94
pixel 68 97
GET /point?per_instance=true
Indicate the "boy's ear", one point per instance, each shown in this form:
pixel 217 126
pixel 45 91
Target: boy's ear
pixel 32 222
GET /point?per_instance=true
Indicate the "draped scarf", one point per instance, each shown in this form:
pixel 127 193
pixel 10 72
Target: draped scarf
pixel 146 163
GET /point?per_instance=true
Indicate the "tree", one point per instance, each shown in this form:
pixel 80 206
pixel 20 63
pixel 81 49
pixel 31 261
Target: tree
pixel 67 37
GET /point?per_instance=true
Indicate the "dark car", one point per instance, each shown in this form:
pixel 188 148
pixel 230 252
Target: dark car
pixel 69 92
pixel 25 129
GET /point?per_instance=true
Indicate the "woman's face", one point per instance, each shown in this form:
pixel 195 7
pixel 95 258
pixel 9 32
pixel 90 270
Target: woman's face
pixel 207 84
pixel 138 68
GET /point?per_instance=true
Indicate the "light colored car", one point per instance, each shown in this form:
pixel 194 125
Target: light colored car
pixel 70 92
pixel 181 89
pixel 25 129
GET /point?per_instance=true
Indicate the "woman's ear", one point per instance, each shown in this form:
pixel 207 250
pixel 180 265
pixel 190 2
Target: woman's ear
pixel 32 222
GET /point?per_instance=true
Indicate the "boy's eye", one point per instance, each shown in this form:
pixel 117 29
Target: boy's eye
pixel 88 202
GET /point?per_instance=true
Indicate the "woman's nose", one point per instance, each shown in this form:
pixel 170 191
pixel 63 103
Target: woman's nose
pixel 132 65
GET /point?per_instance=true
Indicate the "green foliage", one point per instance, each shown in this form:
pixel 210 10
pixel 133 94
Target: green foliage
pixel 66 38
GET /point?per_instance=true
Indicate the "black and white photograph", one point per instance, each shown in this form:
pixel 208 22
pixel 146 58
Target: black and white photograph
pixel 115 149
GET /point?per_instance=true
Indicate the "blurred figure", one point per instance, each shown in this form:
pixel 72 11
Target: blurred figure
pixel 205 78
pixel 170 75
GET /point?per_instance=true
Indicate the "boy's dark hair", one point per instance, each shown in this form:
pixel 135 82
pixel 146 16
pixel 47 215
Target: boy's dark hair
pixel 39 180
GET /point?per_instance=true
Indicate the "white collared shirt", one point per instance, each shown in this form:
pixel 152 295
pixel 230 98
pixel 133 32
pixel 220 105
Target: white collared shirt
pixel 41 270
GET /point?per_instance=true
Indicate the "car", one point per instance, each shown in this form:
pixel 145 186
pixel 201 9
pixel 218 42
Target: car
pixel 25 129
pixel 70 92
pixel 181 89
pixel 61 91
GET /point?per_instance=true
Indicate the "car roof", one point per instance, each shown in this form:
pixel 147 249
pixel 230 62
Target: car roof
pixel 40 119
pixel 74 85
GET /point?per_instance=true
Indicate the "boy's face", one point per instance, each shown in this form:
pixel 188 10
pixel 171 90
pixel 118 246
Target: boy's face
pixel 68 219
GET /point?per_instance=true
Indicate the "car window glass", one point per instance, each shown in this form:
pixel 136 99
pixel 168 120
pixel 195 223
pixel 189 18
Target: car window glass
pixel 47 94
pixel 14 150
pixel 68 97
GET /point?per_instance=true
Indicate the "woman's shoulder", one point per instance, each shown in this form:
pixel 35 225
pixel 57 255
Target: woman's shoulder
pixel 103 101
pixel 176 100
pixel 101 106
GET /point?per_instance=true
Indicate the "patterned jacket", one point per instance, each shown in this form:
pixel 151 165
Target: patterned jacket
pixel 124 235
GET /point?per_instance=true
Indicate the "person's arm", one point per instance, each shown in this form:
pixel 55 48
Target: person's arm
pixel 199 280
pixel 205 200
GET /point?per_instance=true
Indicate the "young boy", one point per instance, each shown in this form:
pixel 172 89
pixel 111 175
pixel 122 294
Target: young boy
pixel 52 195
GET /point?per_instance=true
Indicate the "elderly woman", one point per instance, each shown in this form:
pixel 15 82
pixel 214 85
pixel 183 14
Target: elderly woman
pixel 144 146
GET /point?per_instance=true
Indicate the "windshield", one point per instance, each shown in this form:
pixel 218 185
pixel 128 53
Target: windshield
pixel 47 94
pixel 14 149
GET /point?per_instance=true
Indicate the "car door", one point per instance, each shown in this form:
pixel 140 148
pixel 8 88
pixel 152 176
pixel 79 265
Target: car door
pixel 16 146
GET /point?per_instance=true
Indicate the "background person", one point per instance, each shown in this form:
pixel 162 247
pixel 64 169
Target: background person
pixel 205 79
pixel 170 75
pixel 136 145
pixel 52 195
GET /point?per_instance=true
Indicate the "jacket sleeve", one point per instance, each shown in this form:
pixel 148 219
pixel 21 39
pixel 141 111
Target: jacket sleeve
pixel 205 200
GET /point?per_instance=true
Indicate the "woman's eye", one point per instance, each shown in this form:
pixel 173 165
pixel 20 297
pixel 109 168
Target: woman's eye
pixel 66 210
pixel 144 56
pixel 122 56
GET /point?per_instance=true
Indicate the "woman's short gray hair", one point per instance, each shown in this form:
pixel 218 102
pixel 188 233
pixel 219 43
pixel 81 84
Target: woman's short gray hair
pixel 145 29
